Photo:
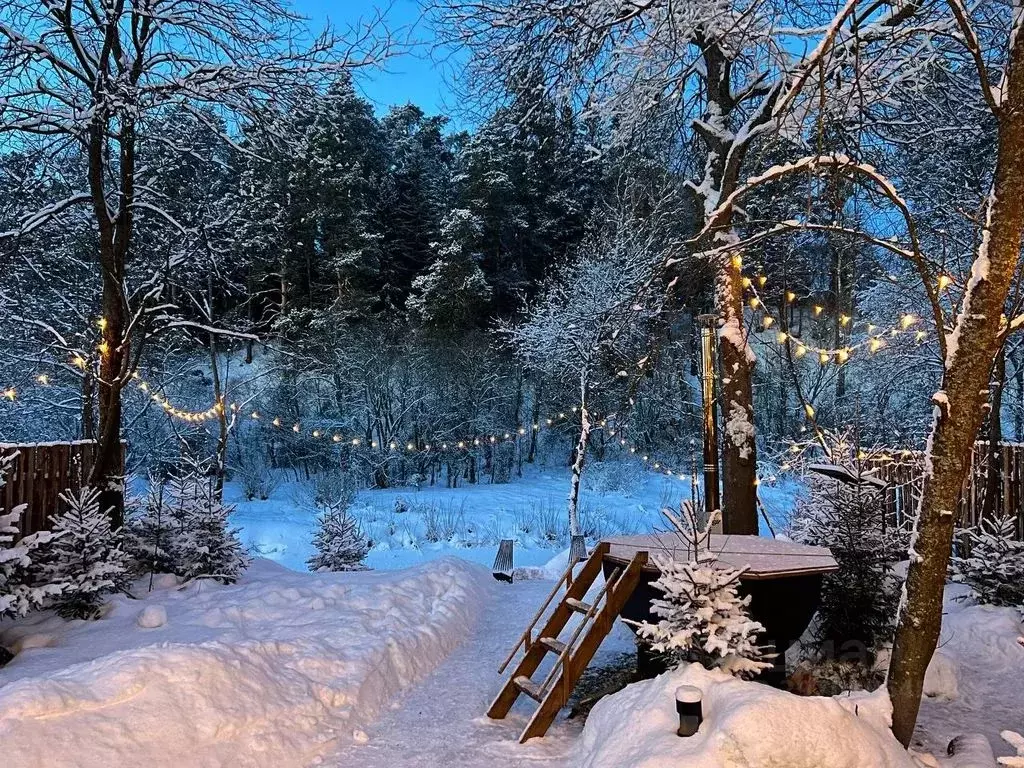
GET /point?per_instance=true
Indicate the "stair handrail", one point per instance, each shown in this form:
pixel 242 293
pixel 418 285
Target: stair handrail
pixel 525 637
pixel 609 583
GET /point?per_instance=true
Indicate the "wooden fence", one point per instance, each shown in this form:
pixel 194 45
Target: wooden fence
pixel 904 471
pixel 39 474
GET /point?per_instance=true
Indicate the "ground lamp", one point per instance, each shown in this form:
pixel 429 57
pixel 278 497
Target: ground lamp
pixel 688 705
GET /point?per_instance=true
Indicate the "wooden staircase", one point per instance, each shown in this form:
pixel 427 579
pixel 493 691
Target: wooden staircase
pixel 576 651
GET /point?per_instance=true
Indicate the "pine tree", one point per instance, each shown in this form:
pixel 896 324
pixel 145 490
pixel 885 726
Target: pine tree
pixel 702 617
pixel 993 562
pixel 86 556
pixel 20 592
pixel 339 542
pixel 203 545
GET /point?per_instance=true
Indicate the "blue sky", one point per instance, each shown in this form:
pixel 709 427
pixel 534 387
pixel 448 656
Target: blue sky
pixel 418 76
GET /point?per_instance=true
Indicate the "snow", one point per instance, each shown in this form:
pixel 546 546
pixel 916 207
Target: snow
pixel 746 725
pixel 981 645
pixel 273 671
pixel 282 528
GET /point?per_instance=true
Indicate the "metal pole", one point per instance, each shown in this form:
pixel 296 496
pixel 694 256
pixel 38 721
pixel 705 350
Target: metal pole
pixel 708 328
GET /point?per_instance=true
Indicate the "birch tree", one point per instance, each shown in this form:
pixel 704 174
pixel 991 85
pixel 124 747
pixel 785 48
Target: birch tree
pixel 588 323
pixel 99 77
pixel 970 348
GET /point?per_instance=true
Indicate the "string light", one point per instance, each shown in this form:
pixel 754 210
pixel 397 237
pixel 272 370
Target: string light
pixel 10 393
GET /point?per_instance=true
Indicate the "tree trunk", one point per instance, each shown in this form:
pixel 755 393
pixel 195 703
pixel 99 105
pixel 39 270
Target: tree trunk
pixel 88 405
pixel 578 460
pixel 115 350
pixel 739 452
pixel 532 454
pixel 994 458
pixel 973 345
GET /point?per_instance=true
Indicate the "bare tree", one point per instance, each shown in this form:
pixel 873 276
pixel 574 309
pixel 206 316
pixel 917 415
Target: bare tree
pixel 99 77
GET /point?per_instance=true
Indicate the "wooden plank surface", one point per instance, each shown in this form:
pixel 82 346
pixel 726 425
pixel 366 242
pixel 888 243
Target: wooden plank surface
pixel 764 558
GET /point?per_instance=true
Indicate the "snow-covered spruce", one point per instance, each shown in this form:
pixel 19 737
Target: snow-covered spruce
pixel 149 534
pixel 19 590
pixel 85 557
pixel 858 603
pixel 340 544
pixel 993 562
pixel 702 618
pixel 203 544
pixel 183 529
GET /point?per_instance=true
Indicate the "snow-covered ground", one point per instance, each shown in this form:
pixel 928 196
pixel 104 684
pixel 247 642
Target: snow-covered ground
pixel 469 521
pixel 981 655
pixel 268 673
pixel 396 667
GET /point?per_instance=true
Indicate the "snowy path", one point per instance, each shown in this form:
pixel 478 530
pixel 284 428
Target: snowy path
pixel 441 722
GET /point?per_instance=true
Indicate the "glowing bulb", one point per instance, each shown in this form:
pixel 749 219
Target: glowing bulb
pixel 737 261
pixel 809 410
pixel 920 335
pixel 761 280
pixel 10 393
pixel 355 441
pixel 781 338
pixel 768 321
pixel 907 320
pixel 944 281
pixel 103 347
pixel 522 430
pixel 255 414
pixel 823 358
pixel 801 350
pixel 276 422
pixel 844 320
pixel 410 447
pixel 790 296
pixel 461 444
pixel 316 433
pixel 746 282
pixel 295 428
pixel 843 355
pixel 818 309
pixel 755 303
pixel 79 361
pixel 43 379
pixel 336 438
pixel 102 323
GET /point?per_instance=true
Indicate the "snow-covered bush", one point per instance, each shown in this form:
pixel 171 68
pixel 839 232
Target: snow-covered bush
pixel 339 541
pixel 993 562
pixel 613 476
pixel 20 591
pixel 85 556
pixel 702 617
pixel 859 600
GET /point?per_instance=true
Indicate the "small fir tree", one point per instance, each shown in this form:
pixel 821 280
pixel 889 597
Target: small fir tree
pixel 859 600
pixel 86 556
pixel 339 542
pixel 20 591
pixel 203 545
pixel 992 563
pixel 702 618
pixel 149 539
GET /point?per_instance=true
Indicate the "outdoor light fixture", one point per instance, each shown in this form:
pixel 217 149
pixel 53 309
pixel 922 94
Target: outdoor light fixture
pixel 688 705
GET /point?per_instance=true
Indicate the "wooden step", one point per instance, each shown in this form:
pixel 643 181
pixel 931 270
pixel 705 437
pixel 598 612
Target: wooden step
pixel 553 644
pixel 530 688
pixel 578 605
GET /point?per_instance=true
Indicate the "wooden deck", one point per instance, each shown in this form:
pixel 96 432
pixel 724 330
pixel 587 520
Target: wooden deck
pixel 763 558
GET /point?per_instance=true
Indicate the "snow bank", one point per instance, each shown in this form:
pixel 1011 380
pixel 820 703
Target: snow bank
pixel 746 725
pixel 269 672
